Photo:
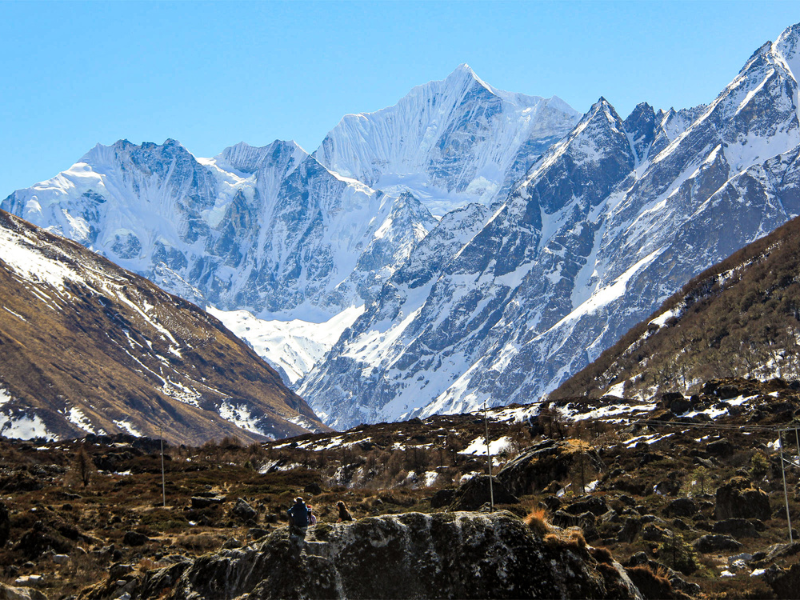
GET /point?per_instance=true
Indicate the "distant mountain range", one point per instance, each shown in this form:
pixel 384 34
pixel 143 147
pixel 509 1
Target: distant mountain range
pixel 553 233
pixel 607 224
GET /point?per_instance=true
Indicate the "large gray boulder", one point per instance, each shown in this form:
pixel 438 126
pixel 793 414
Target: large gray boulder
pixel 475 492
pixel 413 555
pixel 8 592
pixel 545 462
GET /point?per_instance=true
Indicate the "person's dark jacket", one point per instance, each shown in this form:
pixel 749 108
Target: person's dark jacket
pixel 299 514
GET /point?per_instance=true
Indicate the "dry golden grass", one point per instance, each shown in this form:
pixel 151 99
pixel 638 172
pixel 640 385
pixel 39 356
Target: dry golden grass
pixel 537 521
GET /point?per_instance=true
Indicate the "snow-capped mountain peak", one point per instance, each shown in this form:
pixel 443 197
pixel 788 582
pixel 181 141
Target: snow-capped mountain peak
pixel 608 222
pixel 248 159
pixel 449 142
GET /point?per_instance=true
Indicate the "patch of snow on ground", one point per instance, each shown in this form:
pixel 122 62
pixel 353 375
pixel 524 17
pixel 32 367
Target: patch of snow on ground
pixel 76 417
pixel 616 390
pixel 27 261
pixel 273 465
pixel 478 446
pixel 4 397
pixel 517 414
pixel 128 427
pixel 304 423
pixel 239 416
pixel 613 410
pixel 429 478
pixel 467 476
pixel 661 319
pixel 24 428
pixel 19 316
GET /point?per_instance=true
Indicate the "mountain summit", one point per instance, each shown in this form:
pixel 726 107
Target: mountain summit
pixel 448 142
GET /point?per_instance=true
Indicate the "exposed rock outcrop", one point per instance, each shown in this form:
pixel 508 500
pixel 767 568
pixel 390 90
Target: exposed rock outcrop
pixel 475 493
pixel 413 555
pixel 735 500
pixel 545 462
pixel 8 592
pixel 5 525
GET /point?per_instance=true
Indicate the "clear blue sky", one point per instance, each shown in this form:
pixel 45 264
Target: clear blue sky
pixel 213 74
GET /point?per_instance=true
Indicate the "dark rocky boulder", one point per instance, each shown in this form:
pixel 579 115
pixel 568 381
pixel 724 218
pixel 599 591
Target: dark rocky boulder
pixel 20 481
pixel 716 543
pixel 543 463
pixel 203 502
pixel 413 555
pixel 721 447
pixel 41 538
pixel 784 582
pixel 5 525
pixel 675 402
pixel 243 511
pixel 8 592
pixel 682 507
pixel 654 533
pixel 134 538
pixel 313 488
pixel 678 583
pixel 442 498
pixel 586 521
pixel 737 528
pixel 735 500
pixel 593 504
pixel 475 493
pixel 653 586
pixel 630 530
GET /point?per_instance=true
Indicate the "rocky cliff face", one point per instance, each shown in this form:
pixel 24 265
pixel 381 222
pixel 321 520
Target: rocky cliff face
pixel 87 347
pixel 449 142
pixel 414 555
pixel 607 224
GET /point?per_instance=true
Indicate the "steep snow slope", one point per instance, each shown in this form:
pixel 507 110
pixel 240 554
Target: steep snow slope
pixel 88 347
pixel 267 230
pixel 264 229
pixel 291 347
pixel 607 224
pixel 449 142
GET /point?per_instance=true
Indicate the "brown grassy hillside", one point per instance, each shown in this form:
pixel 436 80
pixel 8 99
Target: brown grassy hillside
pixel 82 340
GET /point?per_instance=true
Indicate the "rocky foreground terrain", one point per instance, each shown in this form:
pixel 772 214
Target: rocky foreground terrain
pixel 680 496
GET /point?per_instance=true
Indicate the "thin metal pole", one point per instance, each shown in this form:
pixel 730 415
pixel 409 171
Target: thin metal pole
pixel 797 439
pixel 489 455
pixel 163 479
pixel 785 493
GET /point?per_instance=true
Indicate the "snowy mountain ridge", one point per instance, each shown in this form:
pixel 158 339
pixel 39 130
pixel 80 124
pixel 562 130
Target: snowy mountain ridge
pixel 608 223
pixel 448 142
pixel 267 230
pixel 568 230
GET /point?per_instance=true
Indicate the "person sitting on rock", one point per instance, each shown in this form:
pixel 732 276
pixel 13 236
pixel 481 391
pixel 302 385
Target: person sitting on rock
pixel 344 514
pixel 312 518
pixel 298 518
